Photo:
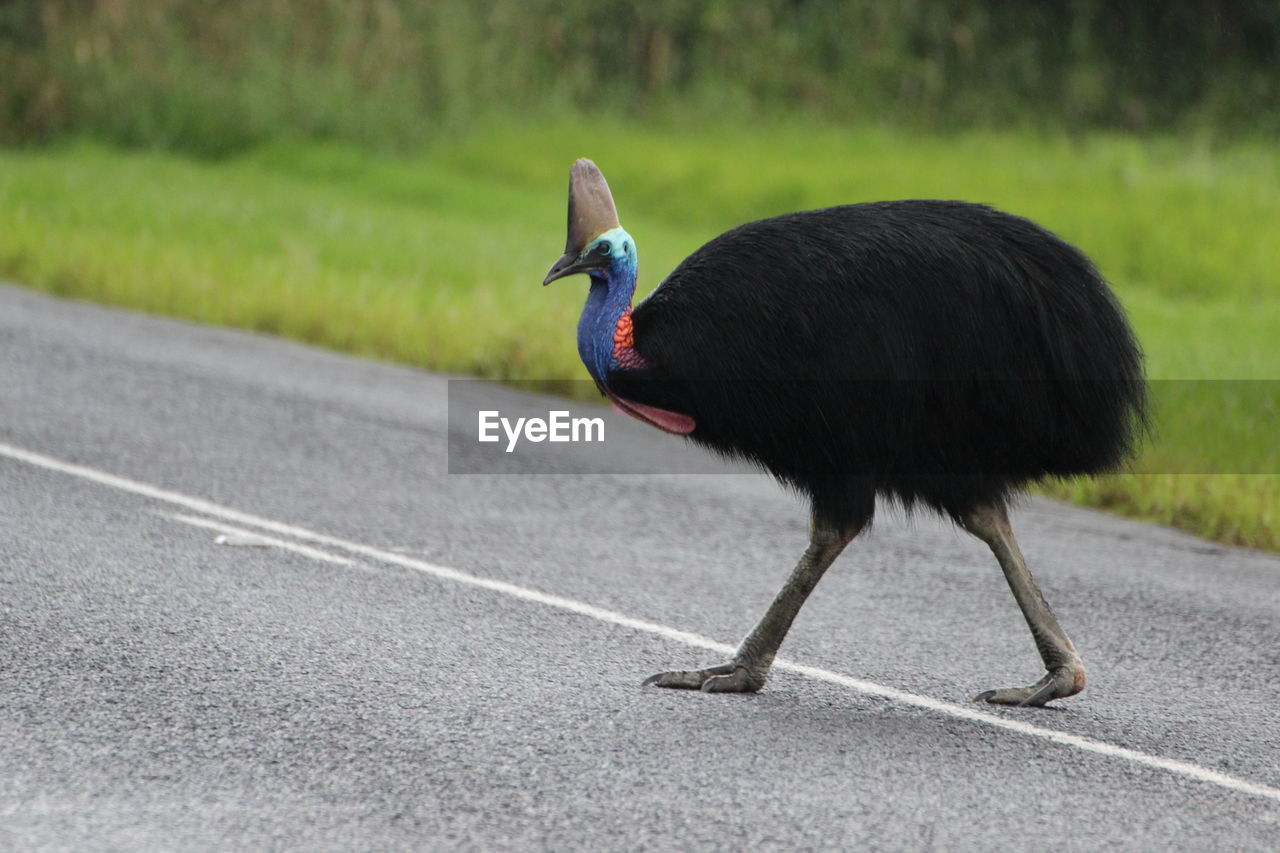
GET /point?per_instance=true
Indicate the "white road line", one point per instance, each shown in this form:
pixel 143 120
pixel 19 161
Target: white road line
pixel 304 550
pixel 1181 768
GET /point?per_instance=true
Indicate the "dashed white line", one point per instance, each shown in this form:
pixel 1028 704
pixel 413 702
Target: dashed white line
pixel 1185 769
pixel 226 529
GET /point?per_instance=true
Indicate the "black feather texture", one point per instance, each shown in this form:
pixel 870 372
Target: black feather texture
pixel 935 353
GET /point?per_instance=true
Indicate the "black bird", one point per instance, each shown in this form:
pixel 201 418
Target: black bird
pixel 939 354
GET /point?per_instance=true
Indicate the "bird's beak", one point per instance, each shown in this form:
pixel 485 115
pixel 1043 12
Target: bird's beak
pixel 568 264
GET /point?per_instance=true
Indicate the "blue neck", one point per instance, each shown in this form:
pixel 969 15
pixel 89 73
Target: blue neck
pixel 611 291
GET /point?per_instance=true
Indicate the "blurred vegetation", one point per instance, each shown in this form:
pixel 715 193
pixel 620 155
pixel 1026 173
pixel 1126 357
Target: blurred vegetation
pixel 215 78
pixel 386 176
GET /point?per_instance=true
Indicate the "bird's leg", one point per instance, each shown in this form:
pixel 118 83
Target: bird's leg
pixel 1065 676
pixel 749 669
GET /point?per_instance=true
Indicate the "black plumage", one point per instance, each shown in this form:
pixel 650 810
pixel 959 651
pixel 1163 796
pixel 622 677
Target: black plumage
pixel 936 353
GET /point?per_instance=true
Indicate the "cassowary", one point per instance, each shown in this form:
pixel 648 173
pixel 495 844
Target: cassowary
pixel 938 354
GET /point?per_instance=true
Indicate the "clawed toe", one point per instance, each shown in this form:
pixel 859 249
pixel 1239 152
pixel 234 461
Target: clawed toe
pixel 691 679
pixel 726 678
pixel 1063 681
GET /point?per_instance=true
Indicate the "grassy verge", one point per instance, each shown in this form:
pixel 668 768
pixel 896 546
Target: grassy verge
pixel 436 259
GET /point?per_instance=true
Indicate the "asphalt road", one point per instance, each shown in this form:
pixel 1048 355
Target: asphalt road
pixel 426 660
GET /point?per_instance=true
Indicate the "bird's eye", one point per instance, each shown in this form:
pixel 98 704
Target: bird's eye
pixel 604 248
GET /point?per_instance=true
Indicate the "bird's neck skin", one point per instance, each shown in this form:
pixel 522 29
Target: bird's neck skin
pixel 604 341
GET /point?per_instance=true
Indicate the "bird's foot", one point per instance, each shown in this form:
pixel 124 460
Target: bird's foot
pixel 1061 681
pixel 726 678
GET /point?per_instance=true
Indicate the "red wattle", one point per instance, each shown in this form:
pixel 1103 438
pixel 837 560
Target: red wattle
pixel 672 422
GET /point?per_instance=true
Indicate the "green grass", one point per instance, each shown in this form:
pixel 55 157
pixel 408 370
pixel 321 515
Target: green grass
pixel 436 259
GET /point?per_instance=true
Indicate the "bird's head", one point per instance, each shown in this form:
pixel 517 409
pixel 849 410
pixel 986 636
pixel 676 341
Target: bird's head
pixel 596 241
